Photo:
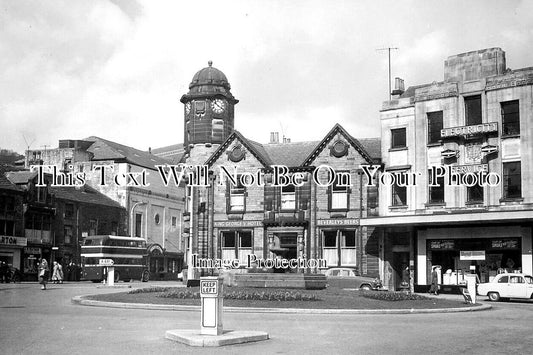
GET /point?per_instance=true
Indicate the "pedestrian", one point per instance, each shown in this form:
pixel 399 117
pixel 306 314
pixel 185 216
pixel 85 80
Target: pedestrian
pixel 434 281
pixel 43 273
pixel 57 275
pixel 4 270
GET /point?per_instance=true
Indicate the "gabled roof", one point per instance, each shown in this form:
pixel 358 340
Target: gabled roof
pixel 84 194
pixel 103 149
pixel 372 146
pixel 21 177
pixel 5 183
pixel 290 154
pixel 331 134
pixel 255 148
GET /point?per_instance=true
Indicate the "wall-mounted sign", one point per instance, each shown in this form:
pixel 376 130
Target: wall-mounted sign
pixel 504 243
pixel 448 153
pixel 13 241
pixel 472 255
pixel 32 250
pixel 478 129
pixel 338 222
pixel 473 168
pixel 441 244
pixel 227 224
pixel 489 149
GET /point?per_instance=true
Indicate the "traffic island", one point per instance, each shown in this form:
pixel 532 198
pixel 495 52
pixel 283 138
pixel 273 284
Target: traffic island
pixel 211 331
pixel 229 337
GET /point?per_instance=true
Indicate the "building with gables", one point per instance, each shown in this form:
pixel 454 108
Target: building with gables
pixel 477 122
pixel 233 220
pixel 131 179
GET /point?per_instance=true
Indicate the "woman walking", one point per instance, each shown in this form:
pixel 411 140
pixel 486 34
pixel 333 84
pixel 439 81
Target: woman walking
pixel 434 281
pixel 57 275
pixel 43 273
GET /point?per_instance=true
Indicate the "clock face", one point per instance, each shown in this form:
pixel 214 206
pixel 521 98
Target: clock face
pixel 188 108
pixel 218 105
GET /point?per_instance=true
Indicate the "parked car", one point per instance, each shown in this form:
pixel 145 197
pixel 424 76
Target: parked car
pixel 507 285
pixel 344 277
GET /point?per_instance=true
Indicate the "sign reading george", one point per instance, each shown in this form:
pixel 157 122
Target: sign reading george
pixel 106 262
pixel 208 287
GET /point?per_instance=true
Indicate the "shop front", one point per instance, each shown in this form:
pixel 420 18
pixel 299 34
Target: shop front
pixel 11 250
pixel 162 264
pixel 483 250
pixel 338 240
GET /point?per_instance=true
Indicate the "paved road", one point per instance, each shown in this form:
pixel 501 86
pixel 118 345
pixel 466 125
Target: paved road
pixel 37 322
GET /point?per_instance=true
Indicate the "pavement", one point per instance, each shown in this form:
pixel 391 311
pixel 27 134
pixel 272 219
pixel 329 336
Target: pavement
pixel 46 322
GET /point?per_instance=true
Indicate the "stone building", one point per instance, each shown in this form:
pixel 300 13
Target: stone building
pixel 131 178
pixel 474 126
pixel 228 220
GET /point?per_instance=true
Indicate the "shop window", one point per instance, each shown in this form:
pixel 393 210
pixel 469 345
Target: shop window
pixel 69 210
pixel 434 126
pixel 510 118
pixel 236 244
pixel 436 193
pixel 399 195
pixel 245 239
pixel 288 197
pixel 512 184
pixel 398 138
pixel 474 194
pixel 473 110
pixel 339 196
pixel 330 251
pixel 237 196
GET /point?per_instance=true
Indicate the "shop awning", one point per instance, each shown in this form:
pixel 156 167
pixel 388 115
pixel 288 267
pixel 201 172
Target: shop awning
pixel 450 218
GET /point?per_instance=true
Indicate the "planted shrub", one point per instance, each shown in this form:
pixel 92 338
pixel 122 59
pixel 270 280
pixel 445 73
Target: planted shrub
pixel 151 289
pixel 173 292
pixel 392 296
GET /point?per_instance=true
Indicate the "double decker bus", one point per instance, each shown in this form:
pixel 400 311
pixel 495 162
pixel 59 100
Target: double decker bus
pixel 128 254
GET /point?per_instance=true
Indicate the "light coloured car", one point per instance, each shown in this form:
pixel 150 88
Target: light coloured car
pixel 344 277
pixel 507 285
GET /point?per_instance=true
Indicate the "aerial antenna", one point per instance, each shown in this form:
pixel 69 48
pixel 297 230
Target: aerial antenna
pixel 388 49
pixel 28 145
pixel 282 131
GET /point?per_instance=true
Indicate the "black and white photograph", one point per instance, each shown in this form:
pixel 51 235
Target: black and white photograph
pixel 266 177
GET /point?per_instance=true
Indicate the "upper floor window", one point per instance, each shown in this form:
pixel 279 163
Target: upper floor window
pixel 436 193
pixel 512 180
pixel 399 195
pixel 473 110
pixel 398 138
pixel 288 197
pixel 237 195
pixel 218 130
pixel 339 196
pixel 434 126
pixel 510 118
pixel 474 194
pixel 69 210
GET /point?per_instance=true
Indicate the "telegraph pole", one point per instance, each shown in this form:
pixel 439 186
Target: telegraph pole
pixel 388 49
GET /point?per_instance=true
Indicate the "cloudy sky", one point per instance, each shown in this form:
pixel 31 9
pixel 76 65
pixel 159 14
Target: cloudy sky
pixel 116 69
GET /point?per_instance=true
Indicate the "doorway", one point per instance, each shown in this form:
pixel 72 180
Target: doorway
pixel 400 261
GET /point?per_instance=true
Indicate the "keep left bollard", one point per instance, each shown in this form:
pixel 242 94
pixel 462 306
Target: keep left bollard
pixel 108 263
pixel 211 292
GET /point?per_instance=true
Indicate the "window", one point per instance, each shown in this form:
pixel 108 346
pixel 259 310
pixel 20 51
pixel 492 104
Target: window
pixel 399 195
pixel 398 138
pixel 93 227
pixel 512 184
pixel 41 194
pixel 288 197
pixel 174 221
pixel 473 110
pixel 236 244
pixel 330 252
pixel 474 194
pixel 339 196
pixel 503 279
pixel 434 126
pixel 339 247
pixel 69 210
pixel 138 224
pixel 237 194
pixel 510 118
pixel 68 234
pixel 188 199
pixel 436 193
pixel 218 130
pixel 157 218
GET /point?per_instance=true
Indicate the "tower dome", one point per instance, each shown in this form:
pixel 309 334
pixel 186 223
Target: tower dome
pixel 207 82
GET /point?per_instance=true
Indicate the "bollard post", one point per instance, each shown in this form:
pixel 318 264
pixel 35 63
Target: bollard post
pixel 211 293
pixel 471 286
pixel 110 276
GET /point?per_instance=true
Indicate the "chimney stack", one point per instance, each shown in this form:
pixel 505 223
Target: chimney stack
pixel 274 137
pixel 399 88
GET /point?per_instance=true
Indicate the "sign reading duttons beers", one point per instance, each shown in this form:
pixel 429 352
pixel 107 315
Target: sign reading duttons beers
pixel 469 130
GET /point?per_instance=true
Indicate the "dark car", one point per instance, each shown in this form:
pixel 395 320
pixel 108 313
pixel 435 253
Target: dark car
pixel 344 277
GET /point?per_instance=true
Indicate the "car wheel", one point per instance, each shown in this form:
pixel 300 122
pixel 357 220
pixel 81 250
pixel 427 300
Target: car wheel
pixel 146 276
pixel 365 287
pixel 494 296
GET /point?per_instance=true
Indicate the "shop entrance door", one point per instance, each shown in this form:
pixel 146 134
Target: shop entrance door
pixel 400 261
pixel 288 243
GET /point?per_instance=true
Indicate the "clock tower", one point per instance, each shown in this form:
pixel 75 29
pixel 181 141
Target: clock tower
pixel 209 110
